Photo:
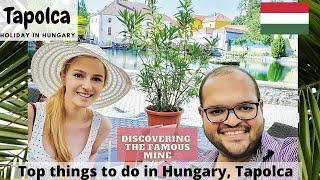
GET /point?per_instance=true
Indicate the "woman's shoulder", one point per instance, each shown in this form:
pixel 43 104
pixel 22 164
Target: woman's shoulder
pixel 105 123
pixel 104 130
pixel 39 105
pixel 33 109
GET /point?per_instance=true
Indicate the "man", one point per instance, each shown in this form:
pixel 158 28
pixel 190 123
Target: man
pixel 232 115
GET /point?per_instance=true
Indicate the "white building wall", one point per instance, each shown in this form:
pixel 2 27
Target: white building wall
pixel 94 28
pixel 200 36
pixel 116 27
pixel 99 25
pixel 222 39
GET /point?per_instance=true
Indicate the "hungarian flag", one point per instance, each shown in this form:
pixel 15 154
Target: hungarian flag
pixel 284 18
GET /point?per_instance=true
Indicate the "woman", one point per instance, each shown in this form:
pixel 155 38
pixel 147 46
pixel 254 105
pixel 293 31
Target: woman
pixel 73 77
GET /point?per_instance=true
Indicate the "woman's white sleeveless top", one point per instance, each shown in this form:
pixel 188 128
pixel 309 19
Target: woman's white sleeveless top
pixel 36 151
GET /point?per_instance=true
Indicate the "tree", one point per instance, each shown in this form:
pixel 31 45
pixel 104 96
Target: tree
pixel 239 20
pixel 13 103
pixel 82 9
pixel 82 25
pixel 242 6
pixel 252 23
pixel 83 18
pixel 278 47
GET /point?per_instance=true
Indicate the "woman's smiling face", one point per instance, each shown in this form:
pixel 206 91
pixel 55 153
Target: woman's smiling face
pixel 84 81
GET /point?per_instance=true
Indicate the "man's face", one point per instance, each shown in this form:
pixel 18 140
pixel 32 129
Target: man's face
pixel 234 138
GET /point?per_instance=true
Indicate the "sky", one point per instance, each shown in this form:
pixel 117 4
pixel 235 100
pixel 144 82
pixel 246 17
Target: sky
pixel 169 7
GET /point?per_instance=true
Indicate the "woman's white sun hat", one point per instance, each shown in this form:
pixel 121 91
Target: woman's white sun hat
pixel 48 61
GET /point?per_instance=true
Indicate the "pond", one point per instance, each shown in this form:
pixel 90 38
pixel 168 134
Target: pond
pixel 275 71
pixel 266 71
pixel 126 59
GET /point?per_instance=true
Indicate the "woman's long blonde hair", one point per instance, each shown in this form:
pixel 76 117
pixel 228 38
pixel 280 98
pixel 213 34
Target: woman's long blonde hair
pixel 56 117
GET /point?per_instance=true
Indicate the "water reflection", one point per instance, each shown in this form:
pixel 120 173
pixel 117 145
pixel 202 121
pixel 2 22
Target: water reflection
pixel 126 59
pixel 275 71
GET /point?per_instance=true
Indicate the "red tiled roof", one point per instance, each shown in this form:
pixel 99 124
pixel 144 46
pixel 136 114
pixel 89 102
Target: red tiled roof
pixel 117 5
pixel 200 17
pixel 216 17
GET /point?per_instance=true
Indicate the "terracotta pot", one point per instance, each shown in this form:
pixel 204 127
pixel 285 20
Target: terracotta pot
pixel 163 118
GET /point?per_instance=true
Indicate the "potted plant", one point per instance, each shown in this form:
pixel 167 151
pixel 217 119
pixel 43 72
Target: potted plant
pixel 172 65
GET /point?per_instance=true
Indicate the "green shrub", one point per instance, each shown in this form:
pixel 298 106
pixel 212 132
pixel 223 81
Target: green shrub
pixel 278 47
pixel 239 41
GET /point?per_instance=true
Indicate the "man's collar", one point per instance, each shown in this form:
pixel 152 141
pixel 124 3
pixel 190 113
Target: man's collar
pixel 268 144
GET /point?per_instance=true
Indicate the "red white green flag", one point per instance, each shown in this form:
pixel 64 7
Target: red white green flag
pixel 284 18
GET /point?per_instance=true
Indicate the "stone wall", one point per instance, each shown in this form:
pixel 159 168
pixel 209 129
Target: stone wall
pixel 279 93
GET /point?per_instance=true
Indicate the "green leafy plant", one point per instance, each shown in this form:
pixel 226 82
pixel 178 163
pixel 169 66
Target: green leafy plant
pixel 13 102
pixel 278 47
pixel 238 20
pixel 252 21
pixel 172 66
pixel 309 100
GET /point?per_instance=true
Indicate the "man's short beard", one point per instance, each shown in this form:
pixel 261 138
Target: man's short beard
pixel 250 151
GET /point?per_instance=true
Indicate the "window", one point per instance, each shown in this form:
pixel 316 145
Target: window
pixel 109 30
pixel 109 20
